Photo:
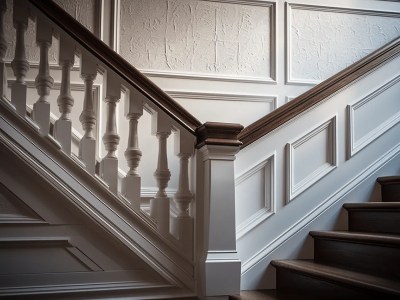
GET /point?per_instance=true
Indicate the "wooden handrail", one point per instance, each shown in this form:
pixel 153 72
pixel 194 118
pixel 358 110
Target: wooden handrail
pixel 319 93
pixel 115 62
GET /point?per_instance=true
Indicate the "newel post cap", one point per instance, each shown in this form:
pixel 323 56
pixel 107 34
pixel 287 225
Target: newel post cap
pixel 215 133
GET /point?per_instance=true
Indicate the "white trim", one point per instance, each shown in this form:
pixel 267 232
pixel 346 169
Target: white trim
pixel 354 146
pixel 294 190
pixel 268 167
pixel 320 209
pixel 288 32
pixel 223 97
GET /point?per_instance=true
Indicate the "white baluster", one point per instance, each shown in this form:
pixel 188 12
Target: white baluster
pixel 19 64
pixel 43 82
pixel 3 49
pixel 182 226
pixel 87 145
pixel 109 164
pixel 160 204
pixel 63 126
pixel 132 180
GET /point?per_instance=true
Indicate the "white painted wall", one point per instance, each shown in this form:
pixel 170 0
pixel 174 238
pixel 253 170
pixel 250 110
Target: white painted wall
pixel 231 52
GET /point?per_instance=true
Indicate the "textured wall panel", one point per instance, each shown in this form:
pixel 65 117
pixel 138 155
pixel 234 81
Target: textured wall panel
pixel 310 158
pixel 198 38
pixel 373 115
pixel 323 41
pixel 83 11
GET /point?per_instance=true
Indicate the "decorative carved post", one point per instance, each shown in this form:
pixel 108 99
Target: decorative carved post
pixel 87 145
pixel 43 81
pixel 3 49
pixel 219 265
pixel 182 226
pixel 109 164
pixel 63 126
pixel 159 206
pixel 131 182
pixel 19 64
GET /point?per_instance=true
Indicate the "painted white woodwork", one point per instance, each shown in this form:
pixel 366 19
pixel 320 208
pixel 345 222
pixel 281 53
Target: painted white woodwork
pixel 159 210
pixel 87 145
pixel 132 182
pixel 44 82
pixel 182 225
pixel 260 204
pixel 3 49
pixel 19 64
pixel 373 115
pixel 310 158
pixel 63 126
pixel 219 264
pixel 312 166
pixel 109 163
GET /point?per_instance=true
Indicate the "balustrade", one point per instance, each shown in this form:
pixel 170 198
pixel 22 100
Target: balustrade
pixel 90 66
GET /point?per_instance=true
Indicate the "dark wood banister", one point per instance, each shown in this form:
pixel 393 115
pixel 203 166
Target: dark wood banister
pixel 115 62
pixel 319 93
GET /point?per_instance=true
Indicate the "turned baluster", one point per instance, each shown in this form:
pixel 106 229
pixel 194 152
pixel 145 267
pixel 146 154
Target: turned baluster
pixel 159 208
pixel 3 49
pixel 132 180
pixel 87 145
pixel 182 227
pixel 43 81
pixel 19 64
pixel 63 126
pixel 109 164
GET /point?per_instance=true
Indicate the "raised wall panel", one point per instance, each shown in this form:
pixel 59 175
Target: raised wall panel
pixel 310 158
pixel 215 40
pixel 322 40
pixel 225 107
pixel 373 115
pixel 255 194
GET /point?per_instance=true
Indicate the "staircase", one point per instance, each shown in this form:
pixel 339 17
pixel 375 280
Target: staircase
pixel 362 262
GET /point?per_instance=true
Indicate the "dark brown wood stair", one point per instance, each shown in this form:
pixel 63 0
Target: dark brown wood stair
pixel 362 262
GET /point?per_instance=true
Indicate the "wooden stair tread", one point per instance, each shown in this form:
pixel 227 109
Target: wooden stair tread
pixel 358 237
pixel 373 206
pixel 329 273
pixel 389 180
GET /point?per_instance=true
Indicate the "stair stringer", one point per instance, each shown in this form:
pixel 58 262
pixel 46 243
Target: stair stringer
pixel 292 206
pixel 90 196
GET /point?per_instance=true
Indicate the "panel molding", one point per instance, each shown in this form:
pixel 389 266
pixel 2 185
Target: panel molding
pixel 354 146
pixel 292 189
pixel 267 165
pixel 272 79
pixel 223 97
pixel 288 32
pixel 326 204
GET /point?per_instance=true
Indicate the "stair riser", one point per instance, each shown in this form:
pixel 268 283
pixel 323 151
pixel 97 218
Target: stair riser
pixel 290 285
pixel 390 192
pixel 374 259
pixel 375 221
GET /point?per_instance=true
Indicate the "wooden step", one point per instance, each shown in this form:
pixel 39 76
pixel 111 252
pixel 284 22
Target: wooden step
pixel 309 280
pixel 390 188
pixel 371 253
pixel 374 217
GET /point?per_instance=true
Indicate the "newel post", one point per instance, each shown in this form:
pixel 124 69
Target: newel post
pixel 219 265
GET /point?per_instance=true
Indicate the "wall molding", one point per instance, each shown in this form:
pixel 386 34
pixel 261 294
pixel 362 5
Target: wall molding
pixel 288 32
pixel 325 205
pixel 271 79
pixel 267 165
pixel 292 189
pixel 354 146
pixel 223 97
